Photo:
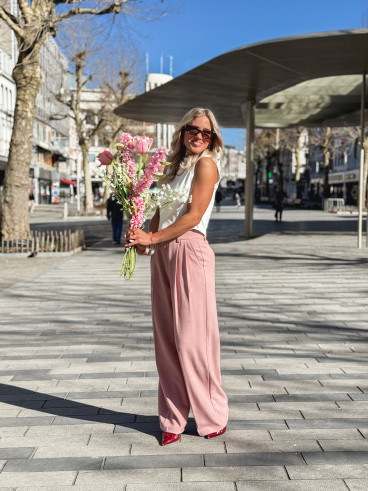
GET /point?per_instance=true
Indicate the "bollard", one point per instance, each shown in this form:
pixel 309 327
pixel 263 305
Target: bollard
pixel 65 211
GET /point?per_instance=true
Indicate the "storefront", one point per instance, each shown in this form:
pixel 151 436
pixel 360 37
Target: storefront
pixel 345 185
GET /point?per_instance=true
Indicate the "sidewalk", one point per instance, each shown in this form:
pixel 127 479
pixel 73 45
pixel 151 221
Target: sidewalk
pixel 78 381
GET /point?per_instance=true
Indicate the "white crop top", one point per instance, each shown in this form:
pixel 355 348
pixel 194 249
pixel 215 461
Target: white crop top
pixel 183 182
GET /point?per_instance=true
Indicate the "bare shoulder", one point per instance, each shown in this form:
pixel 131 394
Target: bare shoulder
pixel 206 164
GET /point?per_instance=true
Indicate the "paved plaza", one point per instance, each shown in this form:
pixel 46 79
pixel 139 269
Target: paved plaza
pixel 78 381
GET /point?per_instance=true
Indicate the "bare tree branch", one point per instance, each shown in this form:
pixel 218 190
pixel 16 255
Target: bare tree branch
pixel 112 8
pixel 25 9
pixel 11 21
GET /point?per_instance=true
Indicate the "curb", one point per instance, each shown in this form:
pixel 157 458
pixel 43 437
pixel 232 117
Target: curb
pixel 42 254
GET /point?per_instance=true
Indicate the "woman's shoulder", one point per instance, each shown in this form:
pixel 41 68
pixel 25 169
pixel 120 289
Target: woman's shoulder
pixel 208 162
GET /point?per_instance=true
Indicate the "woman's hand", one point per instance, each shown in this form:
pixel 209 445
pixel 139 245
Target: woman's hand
pixel 136 237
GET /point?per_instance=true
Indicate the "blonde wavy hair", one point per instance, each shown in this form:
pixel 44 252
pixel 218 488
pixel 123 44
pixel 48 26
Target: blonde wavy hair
pixel 178 149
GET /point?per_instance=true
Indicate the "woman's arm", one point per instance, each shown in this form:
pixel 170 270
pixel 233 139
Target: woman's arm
pixel 205 178
pixel 155 222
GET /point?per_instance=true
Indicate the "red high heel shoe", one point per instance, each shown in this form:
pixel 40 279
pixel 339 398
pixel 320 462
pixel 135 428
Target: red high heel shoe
pixel 217 433
pixel 168 438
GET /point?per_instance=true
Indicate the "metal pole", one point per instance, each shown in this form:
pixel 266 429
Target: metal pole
pixel 361 167
pixel 249 186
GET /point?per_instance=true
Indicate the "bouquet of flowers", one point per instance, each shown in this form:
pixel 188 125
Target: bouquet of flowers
pixel 133 172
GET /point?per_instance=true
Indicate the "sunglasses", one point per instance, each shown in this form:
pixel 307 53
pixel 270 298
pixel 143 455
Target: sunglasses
pixel 194 131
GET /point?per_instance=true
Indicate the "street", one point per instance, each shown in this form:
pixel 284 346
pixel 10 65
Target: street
pixel 78 379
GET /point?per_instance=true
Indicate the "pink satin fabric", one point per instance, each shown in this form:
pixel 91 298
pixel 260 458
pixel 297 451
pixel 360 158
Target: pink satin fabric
pixel 187 342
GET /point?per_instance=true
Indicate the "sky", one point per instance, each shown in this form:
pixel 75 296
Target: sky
pixel 194 32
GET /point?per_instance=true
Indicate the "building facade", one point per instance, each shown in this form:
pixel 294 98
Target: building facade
pixel 50 166
pixel 7 88
pixel 162 132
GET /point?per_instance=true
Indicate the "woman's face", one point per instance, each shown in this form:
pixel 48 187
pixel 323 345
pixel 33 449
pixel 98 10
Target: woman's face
pixel 197 142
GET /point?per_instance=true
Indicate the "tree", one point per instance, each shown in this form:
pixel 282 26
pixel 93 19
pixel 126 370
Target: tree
pixel 353 137
pixel 35 22
pixel 94 116
pixel 290 140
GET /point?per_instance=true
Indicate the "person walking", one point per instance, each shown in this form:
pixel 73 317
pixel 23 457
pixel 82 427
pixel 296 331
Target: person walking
pixel 237 199
pixel 278 204
pixel 218 199
pixel 185 325
pixel 115 213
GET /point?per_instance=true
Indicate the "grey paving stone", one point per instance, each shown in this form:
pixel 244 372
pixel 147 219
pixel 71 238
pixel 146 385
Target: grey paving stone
pixel 151 393
pixel 114 418
pixel 318 433
pixel 198 486
pixel 250 398
pixel 312 397
pixel 52 465
pixel 153 461
pixel 16 452
pixel 298 376
pixel 120 477
pixel 357 484
pixel 30 377
pixel 358 396
pixel 328 423
pixel 327 471
pixel 257 446
pixel 220 474
pixel 105 394
pixel 40 421
pixel 336 458
pixel 304 485
pixel 252 459
pixel 271 424
pixel 43 479
pixel 111 375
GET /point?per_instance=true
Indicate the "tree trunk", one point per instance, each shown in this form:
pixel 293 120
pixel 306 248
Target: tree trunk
pixel 88 203
pixel 14 206
pixel 365 173
pixel 326 172
pixel 326 162
pixel 298 170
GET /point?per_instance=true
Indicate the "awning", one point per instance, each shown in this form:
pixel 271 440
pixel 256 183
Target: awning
pixel 261 73
pixel 65 181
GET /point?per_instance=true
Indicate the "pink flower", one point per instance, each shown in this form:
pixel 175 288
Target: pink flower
pixel 105 157
pixel 152 168
pixel 137 216
pixel 142 143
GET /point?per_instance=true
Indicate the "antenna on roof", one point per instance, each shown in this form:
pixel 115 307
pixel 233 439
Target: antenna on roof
pixel 147 63
pixel 171 65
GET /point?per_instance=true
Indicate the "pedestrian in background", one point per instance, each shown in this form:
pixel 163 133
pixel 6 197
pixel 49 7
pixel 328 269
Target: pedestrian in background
pixel 31 202
pixel 218 199
pixel 184 314
pixel 237 199
pixel 115 213
pixel 278 204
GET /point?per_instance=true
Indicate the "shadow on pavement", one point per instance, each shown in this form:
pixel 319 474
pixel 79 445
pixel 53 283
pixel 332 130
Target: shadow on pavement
pixel 70 412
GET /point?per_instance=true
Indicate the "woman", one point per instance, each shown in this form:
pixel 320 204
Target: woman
pixel 185 327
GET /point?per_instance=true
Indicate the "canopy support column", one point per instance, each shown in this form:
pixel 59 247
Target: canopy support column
pixel 361 167
pixel 249 108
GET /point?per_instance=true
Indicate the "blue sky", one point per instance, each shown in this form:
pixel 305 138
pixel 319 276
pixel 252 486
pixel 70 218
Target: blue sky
pixel 197 31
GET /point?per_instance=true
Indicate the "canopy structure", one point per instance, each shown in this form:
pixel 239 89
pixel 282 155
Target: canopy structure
pixel 268 84
pixel 327 101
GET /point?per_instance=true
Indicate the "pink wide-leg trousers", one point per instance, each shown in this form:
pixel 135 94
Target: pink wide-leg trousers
pixel 186 335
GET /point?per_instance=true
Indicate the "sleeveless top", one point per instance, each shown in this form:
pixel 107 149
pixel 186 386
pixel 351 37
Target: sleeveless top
pixel 183 182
